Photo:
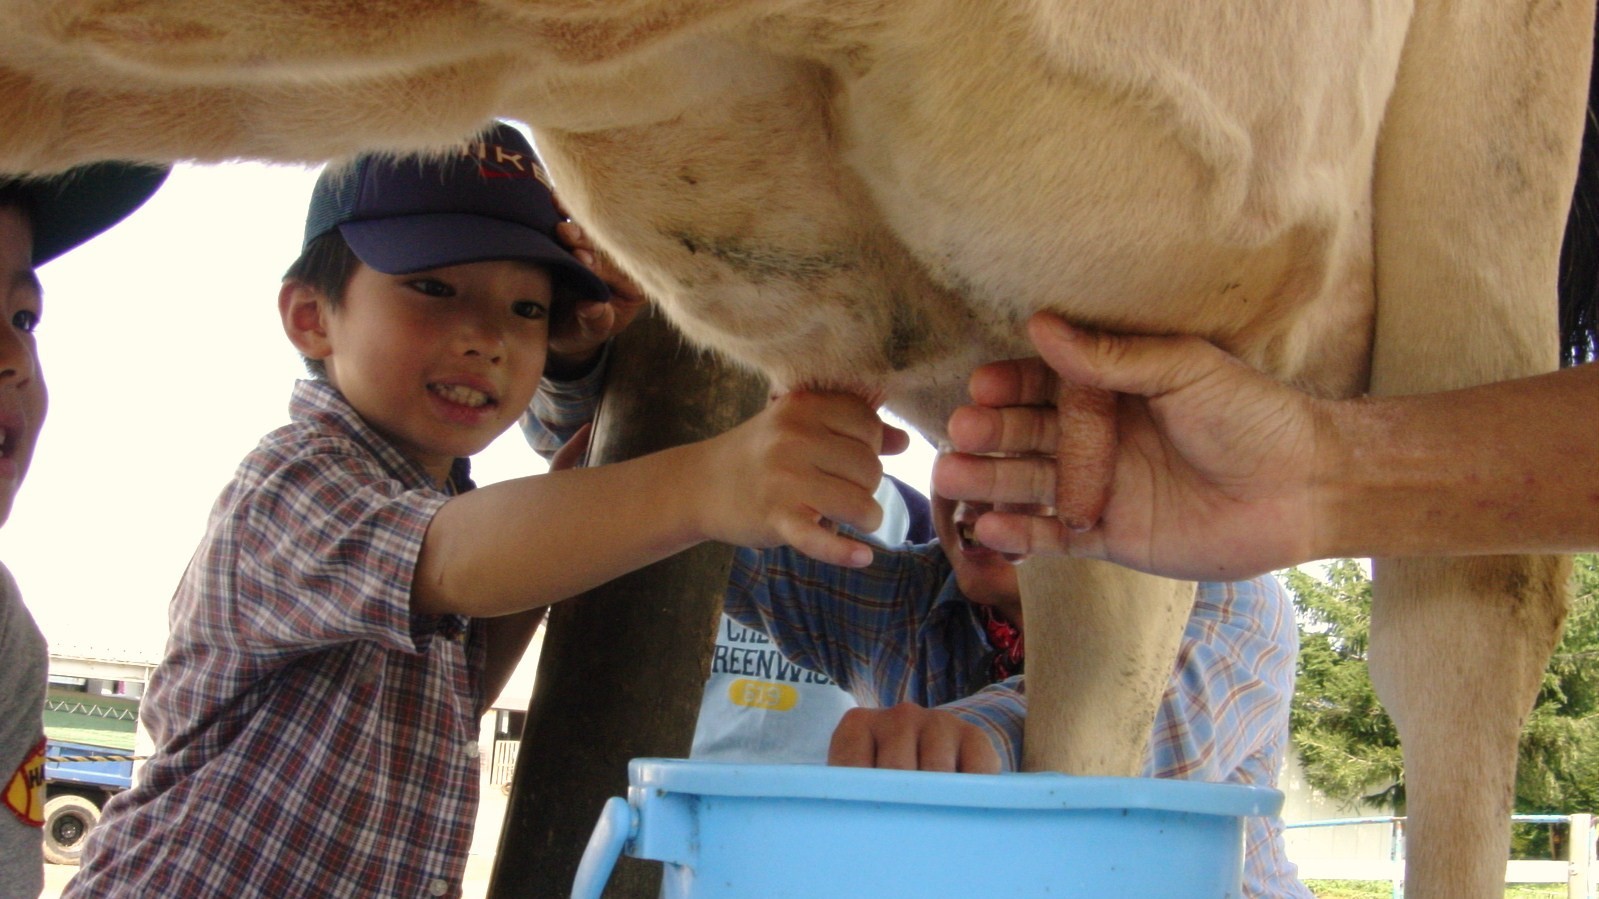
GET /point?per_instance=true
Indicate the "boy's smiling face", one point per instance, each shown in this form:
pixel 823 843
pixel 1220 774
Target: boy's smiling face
pixel 440 362
pixel 22 394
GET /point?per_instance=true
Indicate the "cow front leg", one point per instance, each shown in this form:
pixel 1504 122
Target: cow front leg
pixel 1101 643
pixel 1458 650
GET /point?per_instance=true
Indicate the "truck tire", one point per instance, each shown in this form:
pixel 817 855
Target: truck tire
pixel 68 818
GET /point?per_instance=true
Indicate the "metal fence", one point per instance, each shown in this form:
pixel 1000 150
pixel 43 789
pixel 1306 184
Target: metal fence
pixel 1580 872
pixel 503 764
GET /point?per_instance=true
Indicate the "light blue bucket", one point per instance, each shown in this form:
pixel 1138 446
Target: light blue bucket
pixel 809 830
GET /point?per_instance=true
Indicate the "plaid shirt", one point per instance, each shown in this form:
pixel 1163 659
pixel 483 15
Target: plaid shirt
pixel 314 738
pixel 900 630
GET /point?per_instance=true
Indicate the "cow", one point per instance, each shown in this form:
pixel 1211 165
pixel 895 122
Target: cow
pixel 873 195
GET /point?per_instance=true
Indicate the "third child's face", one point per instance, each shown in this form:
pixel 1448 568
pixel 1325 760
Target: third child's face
pixel 22 394
pixel 984 575
pixel 443 361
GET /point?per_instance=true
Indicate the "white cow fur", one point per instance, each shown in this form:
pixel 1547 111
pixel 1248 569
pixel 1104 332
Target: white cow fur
pixel 875 193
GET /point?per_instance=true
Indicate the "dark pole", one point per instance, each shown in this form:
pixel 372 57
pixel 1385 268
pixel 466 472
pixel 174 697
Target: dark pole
pixel 623 667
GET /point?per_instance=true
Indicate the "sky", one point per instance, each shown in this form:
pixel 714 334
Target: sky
pixel 166 363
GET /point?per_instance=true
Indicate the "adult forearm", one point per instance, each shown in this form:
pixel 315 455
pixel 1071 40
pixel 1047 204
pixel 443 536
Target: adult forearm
pixel 1503 468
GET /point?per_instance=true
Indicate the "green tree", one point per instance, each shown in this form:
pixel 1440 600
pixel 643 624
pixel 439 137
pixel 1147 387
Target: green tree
pixel 1348 744
pixel 1559 767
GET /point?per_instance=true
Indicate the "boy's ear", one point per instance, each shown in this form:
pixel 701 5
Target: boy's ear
pixel 304 309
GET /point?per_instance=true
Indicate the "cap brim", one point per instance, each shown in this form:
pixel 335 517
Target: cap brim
pixel 399 246
pixel 73 207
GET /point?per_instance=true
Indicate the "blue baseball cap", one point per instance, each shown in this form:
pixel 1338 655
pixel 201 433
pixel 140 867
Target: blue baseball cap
pixel 488 199
pixel 70 208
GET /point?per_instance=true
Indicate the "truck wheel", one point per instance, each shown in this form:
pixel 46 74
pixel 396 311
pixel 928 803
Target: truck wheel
pixel 67 821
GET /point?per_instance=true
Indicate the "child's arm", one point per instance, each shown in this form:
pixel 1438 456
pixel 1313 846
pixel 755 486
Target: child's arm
pixel 805 461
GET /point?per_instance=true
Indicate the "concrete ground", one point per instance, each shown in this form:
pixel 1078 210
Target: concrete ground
pixel 479 865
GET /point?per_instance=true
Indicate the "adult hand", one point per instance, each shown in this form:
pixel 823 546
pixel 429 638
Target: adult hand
pixel 909 737
pixel 1209 471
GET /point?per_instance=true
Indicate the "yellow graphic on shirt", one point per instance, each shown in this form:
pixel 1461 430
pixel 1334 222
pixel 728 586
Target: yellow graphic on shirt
pixel 760 694
pixel 25 791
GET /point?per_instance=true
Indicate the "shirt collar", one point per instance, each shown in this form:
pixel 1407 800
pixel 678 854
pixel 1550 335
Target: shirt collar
pixel 320 402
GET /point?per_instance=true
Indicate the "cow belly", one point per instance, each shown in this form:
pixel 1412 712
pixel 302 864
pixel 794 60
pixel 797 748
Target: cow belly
pixel 884 226
pixel 1152 190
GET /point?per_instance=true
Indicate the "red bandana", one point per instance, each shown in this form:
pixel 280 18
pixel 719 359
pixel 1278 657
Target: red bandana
pixel 1007 657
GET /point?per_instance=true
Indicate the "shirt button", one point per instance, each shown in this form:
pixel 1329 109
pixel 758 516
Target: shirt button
pixel 471 750
pixel 438 888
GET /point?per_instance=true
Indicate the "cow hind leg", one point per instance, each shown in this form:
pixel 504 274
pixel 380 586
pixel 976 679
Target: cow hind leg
pixel 1102 641
pixel 1458 650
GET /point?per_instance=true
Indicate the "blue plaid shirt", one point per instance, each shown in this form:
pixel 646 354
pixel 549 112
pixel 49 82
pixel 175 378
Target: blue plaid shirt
pixel 900 630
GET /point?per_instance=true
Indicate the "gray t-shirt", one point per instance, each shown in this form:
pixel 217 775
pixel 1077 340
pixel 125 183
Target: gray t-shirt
pixel 24 672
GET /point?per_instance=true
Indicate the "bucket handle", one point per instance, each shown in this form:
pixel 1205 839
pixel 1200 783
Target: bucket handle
pixel 618 824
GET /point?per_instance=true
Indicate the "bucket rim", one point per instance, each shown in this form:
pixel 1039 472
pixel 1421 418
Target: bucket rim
pixel 1029 790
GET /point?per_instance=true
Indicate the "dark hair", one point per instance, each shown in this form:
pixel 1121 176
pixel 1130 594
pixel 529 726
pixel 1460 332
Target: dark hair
pixel 325 266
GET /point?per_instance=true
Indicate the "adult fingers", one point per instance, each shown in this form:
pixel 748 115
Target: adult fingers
pixel 1025 480
pixel 1012 382
pixel 1012 429
pixel 1079 433
pixel 1026 535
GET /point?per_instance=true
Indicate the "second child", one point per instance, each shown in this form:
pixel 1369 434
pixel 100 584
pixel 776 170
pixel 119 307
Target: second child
pixel 354 604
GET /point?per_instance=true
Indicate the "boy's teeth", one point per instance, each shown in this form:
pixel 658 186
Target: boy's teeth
pixel 465 396
pixel 968 536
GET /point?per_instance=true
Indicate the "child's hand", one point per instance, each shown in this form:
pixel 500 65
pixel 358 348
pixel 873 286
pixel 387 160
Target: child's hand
pixel 909 737
pixel 788 474
pixel 575 341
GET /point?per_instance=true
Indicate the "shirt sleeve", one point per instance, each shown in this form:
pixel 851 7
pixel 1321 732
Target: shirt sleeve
pixel 849 624
pixel 559 408
pixel 1226 710
pixel 323 552
pixel 999 711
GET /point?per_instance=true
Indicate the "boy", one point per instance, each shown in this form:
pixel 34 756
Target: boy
pixel 39 220
pixel 316 713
